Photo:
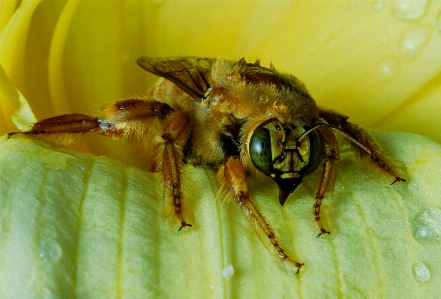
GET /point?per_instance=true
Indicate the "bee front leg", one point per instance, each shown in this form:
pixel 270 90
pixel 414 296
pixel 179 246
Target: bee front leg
pixel 327 179
pixel 233 174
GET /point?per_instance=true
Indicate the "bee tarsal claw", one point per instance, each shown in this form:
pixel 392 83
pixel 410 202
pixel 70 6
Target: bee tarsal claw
pixel 323 232
pixel 298 267
pixel 184 224
pixel 398 179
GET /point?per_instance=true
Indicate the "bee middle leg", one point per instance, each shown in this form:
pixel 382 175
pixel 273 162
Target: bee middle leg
pixel 175 134
pixel 233 174
pixel 126 118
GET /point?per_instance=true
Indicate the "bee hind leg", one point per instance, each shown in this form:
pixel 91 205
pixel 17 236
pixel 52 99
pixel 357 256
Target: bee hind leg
pixel 62 129
pixel 115 120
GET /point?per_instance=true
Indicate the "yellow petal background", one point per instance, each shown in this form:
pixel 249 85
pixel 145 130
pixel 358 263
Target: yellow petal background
pixel 375 61
pixel 69 227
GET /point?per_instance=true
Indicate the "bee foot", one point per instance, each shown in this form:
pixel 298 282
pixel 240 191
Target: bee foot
pixel 323 231
pixel 184 224
pixel 398 179
pixel 299 265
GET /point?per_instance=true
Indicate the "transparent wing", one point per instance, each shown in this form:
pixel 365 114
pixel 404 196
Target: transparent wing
pixel 191 74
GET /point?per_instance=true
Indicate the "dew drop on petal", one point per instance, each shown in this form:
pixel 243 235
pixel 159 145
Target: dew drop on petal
pixel 387 68
pixel 50 250
pixel 413 40
pixel 409 10
pixel 228 271
pixel 426 227
pixel 420 272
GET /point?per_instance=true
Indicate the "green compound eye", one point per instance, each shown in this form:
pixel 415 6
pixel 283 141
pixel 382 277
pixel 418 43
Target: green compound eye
pixel 314 151
pixel 260 151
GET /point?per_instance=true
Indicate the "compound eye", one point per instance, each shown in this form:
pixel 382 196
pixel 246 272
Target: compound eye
pixel 260 150
pixel 314 151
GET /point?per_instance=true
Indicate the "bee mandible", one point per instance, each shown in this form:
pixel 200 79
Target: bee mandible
pixel 241 118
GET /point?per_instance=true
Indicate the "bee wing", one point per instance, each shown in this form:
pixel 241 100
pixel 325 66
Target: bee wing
pixel 191 74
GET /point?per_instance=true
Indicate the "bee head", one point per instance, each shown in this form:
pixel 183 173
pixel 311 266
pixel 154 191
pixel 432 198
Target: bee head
pixel 285 152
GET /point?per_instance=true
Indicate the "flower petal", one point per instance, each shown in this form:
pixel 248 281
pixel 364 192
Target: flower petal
pixel 77 224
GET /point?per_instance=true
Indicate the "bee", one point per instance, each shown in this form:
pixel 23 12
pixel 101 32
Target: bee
pixel 239 117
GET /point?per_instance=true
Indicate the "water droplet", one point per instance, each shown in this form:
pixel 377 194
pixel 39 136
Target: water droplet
pixel 409 10
pixel 426 227
pixel 414 40
pixel 378 5
pixel 50 250
pixel 228 271
pixel 420 272
pixel 387 68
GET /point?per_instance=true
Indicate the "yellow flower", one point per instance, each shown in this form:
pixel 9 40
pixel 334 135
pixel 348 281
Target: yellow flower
pixel 73 224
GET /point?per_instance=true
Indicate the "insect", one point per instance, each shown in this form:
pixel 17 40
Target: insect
pixel 238 117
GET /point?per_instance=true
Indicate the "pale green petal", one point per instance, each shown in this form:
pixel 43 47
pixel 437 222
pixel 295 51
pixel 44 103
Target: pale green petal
pixel 77 225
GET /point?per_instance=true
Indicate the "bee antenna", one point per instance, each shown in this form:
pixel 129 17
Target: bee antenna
pixel 308 131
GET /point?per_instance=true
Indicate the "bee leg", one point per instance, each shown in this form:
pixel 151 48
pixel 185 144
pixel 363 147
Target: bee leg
pixel 116 120
pixel 328 172
pixel 367 145
pixel 121 118
pixel 327 179
pixel 175 134
pixel 233 174
pixel 63 124
pixel 361 141
pixel 129 118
